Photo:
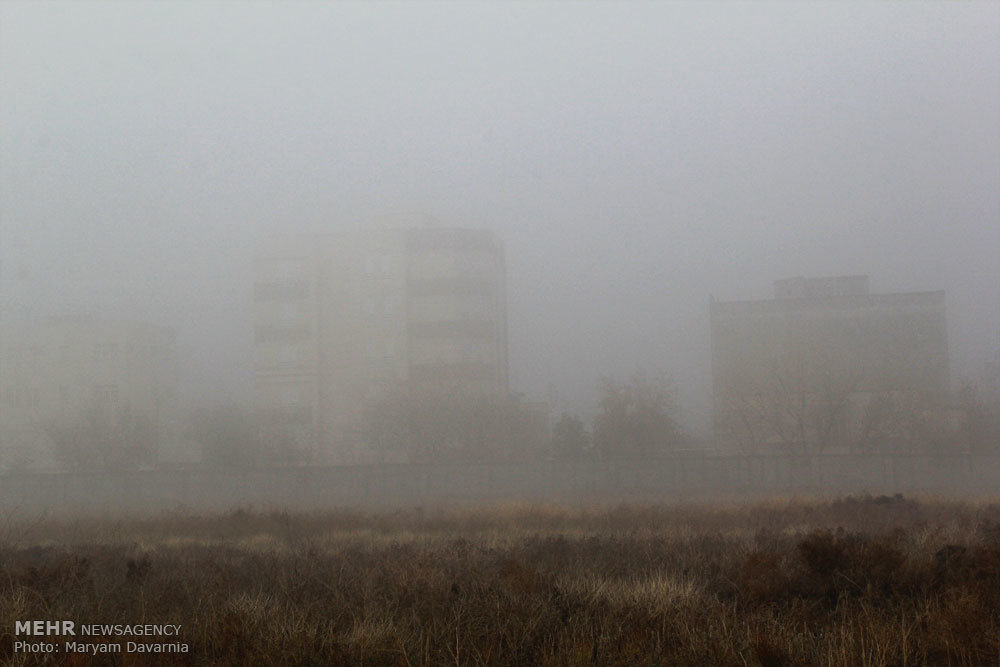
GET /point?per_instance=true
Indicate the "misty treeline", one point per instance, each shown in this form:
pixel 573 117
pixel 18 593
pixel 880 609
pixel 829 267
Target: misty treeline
pixel 104 437
pixel 636 419
pixel 835 416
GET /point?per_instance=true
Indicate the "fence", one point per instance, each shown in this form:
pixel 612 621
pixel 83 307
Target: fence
pixel 678 478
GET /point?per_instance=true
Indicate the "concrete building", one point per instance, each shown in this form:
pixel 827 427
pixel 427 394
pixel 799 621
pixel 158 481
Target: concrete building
pixel 342 319
pixel 991 380
pixel 85 393
pixel 826 365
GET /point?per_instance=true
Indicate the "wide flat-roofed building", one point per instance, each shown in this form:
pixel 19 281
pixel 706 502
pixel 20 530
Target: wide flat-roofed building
pixel 85 392
pixel 342 319
pixel 827 365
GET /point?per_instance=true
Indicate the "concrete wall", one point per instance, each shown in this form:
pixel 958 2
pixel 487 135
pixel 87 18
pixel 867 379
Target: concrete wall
pixel 680 478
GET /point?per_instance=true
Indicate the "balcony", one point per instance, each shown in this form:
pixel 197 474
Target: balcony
pixel 478 286
pixel 277 333
pixel 464 328
pixel 281 291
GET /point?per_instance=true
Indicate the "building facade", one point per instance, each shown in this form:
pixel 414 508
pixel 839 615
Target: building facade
pixel 86 393
pixel 343 319
pixel 826 366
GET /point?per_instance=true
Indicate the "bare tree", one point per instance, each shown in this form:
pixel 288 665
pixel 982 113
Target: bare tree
pixel 636 419
pixel 570 439
pixel 228 436
pixel 809 410
pixel 429 426
pixel 104 437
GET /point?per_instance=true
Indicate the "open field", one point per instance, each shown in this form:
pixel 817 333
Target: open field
pixel 854 581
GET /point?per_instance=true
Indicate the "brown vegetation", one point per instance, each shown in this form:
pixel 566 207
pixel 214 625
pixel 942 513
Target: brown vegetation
pixel 859 581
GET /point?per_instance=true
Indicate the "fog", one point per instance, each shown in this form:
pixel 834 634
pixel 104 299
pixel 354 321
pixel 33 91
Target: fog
pixel 634 159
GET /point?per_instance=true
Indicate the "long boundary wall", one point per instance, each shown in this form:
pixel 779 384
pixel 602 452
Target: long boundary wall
pixel 679 478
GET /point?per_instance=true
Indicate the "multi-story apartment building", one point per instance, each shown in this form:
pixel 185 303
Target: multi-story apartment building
pixel 72 390
pixel 342 319
pixel 827 365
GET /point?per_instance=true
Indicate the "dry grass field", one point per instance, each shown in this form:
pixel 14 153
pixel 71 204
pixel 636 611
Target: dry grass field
pixel 855 581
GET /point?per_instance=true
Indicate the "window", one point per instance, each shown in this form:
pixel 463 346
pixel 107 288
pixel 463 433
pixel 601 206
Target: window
pixel 288 395
pixel 288 270
pixel 280 291
pixel 288 354
pixel 105 351
pixel 106 394
pixel 288 313
pixel 273 334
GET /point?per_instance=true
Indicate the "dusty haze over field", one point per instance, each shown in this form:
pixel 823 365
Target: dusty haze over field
pixel 635 158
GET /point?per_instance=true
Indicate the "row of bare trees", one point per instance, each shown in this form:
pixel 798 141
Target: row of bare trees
pixel 636 419
pixel 816 413
pixel 104 437
pixel 795 413
pixel 435 426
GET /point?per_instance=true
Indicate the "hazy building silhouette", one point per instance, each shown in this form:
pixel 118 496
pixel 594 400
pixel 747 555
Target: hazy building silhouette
pixel 991 380
pixel 86 385
pixel 827 365
pixel 342 319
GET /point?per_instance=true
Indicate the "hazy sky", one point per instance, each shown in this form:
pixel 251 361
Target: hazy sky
pixel 635 158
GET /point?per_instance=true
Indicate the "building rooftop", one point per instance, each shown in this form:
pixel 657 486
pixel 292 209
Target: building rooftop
pixel 808 288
